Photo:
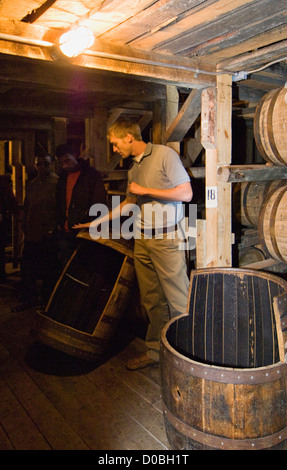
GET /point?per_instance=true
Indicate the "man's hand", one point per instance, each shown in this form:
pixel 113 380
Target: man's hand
pixel 135 188
pixel 79 226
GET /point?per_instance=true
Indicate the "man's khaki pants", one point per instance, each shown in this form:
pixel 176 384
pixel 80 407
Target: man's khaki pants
pixel 163 282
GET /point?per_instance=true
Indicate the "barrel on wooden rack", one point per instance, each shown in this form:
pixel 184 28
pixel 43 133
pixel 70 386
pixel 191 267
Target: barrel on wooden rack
pixel 272 225
pixel 248 199
pixel 89 298
pixel 251 254
pixel 223 370
pixel 270 126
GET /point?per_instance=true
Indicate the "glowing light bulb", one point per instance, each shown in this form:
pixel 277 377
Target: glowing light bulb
pixel 76 41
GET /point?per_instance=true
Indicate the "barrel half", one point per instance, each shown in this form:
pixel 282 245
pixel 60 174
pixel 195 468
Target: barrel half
pixel 222 374
pixel 89 299
pixel 270 126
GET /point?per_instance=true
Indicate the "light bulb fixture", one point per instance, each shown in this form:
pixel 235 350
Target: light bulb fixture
pixel 75 41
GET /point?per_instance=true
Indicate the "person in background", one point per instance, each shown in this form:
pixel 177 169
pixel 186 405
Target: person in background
pixel 157 180
pixel 39 259
pixel 8 206
pixel 79 187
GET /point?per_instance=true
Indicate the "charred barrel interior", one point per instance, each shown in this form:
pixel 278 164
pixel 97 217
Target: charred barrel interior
pixel 86 286
pixel 89 299
pixel 230 322
pixel 223 367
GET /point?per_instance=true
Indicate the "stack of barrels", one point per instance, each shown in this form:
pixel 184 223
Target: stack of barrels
pixel 263 204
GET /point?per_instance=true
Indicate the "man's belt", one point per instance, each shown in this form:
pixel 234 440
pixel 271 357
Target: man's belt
pixel 160 230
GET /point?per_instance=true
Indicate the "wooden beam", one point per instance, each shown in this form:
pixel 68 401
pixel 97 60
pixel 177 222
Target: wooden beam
pixel 152 66
pixel 239 25
pixel 192 149
pixel 68 78
pixel 244 173
pixel 206 13
pixel 260 57
pixel 25 40
pixel 172 103
pixel 159 121
pixel 224 135
pixel 96 139
pixel 260 41
pixel 216 139
pixel 209 142
pixel 37 12
pixel 186 117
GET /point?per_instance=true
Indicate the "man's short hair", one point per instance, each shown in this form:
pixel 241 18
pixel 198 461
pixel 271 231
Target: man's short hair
pixel 122 127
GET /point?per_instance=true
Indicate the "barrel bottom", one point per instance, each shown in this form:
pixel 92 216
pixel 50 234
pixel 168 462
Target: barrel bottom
pixel 67 340
pixel 179 440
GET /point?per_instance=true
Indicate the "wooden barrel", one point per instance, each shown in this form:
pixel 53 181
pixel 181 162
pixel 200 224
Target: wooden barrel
pixel 272 225
pixel 270 126
pixel 89 298
pixel 248 199
pixel 223 370
pixel 251 254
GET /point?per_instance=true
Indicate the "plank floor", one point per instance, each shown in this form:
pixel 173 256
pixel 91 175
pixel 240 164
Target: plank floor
pixel 51 401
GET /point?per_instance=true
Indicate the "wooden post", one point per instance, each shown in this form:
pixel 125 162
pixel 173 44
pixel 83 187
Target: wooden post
pixel 2 157
pixel 159 118
pixel 224 135
pixel 59 131
pixel 19 182
pixel 29 148
pixel 172 100
pixel 96 138
pixel 208 140
pixel 216 139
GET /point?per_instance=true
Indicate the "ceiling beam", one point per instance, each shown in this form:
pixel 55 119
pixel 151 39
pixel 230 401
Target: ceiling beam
pixel 274 53
pixel 36 13
pixel 26 40
pixel 66 78
pixel 148 65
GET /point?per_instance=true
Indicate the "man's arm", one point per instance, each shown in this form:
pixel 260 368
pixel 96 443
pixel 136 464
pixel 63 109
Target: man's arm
pixel 114 214
pixel 182 192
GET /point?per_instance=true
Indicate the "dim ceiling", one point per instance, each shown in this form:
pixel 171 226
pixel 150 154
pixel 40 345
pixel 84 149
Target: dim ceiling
pixel 140 47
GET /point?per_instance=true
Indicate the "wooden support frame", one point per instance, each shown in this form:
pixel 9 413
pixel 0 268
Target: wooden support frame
pixel 216 108
pixel 187 115
pixel 96 138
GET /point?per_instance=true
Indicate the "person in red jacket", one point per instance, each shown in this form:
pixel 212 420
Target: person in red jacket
pixel 79 187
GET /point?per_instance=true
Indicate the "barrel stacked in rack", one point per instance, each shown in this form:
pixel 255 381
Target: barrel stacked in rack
pixel 270 126
pixel 262 204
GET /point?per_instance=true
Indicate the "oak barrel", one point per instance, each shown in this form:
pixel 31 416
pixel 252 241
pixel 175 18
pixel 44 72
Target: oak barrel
pixel 270 126
pixel 248 199
pixel 272 225
pixel 251 254
pixel 89 298
pixel 223 372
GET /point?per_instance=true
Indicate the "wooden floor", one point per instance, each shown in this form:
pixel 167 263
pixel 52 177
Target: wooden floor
pixel 52 401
